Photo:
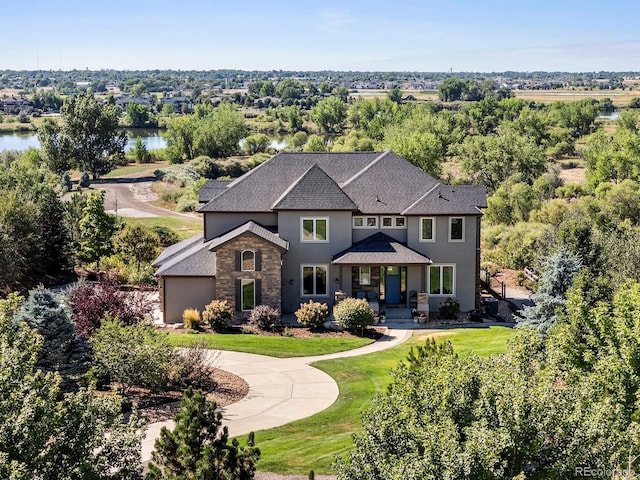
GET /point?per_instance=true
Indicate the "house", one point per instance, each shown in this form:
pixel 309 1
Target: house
pixel 304 226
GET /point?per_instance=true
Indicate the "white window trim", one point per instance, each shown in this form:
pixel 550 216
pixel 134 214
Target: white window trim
pixel 455 240
pixel 364 222
pixel 440 267
pixel 393 222
pixel 315 219
pixel 360 275
pixel 315 266
pixel 242 261
pixel 433 230
pixel 243 282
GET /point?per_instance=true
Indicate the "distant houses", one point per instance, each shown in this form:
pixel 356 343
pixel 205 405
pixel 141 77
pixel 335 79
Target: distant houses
pixel 15 105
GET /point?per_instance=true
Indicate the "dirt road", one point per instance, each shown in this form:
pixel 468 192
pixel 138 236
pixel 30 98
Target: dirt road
pixel 131 196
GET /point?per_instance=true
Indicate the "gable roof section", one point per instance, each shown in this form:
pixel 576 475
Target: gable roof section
pixel 260 188
pixel 315 190
pixel 388 185
pixel 255 229
pixel 450 200
pixel 370 182
pixel 379 249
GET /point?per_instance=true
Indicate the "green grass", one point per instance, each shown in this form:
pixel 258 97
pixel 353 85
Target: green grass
pixel 312 443
pixel 134 168
pixel 281 347
pixel 184 228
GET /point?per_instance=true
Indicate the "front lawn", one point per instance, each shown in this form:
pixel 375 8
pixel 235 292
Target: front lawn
pixel 274 346
pixel 312 443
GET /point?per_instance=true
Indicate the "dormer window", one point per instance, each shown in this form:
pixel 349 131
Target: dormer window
pixel 248 261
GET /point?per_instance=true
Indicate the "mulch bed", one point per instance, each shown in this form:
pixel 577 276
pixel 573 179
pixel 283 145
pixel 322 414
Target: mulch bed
pixel 374 332
pixel 229 389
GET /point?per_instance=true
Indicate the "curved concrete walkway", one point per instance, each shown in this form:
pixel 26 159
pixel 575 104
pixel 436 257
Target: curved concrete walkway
pixel 281 390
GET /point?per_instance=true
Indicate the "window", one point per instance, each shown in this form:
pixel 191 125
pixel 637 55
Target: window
pixel 315 229
pixel 427 229
pixel 441 279
pixel 394 222
pixel 365 222
pixel 248 261
pixel 314 280
pixel 248 292
pixel 456 229
pixel 365 275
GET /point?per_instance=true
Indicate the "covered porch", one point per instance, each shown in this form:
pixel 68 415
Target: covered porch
pixel 383 271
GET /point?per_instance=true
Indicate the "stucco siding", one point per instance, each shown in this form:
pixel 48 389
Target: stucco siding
pixel 311 253
pixel 218 223
pixel 463 255
pixel 181 293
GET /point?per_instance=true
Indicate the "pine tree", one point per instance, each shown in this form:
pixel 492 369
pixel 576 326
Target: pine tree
pixel 198 448
pixel 551 295
pixel 62 351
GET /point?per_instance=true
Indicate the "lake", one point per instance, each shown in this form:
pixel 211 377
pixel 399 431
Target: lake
pixel 22 141
pixel 151 138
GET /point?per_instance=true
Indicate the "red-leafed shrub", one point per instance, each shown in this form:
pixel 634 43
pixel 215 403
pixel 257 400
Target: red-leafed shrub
pixel 91 301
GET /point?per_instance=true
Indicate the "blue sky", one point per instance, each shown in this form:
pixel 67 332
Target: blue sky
pixel 482 35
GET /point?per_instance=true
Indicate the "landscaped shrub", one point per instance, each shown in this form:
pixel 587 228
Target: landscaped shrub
pixel 449 309
pixel 195 367
pixel 132 355
pixel 312 314
pixel 218 314
pixel 191 318
pixel 65 182
pixel 265 318
pixel 91 301
pixel 353 314
pixel 84 180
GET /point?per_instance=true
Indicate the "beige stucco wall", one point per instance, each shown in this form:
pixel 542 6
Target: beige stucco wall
pixel 180 293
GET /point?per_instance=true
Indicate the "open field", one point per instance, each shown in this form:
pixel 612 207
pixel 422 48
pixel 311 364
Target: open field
pixel 620 98
pixel 184 228
pixel 312 443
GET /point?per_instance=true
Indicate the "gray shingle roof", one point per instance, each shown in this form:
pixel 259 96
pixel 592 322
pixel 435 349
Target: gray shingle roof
pixel 450 200
pixel 195 261
pixel 176 248
pixel 250 227
pixel 315 190
pixel 211 189
pixel 376 182
pixel 379 249
pixel 258 189
pixel 197 258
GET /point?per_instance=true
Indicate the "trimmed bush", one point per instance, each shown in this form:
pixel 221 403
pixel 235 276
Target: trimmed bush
pixel 449 309
pixel 265 318
pixel 218 314
pixel 84 180
pixel 353 314
pixel 191 318
pixel 312 314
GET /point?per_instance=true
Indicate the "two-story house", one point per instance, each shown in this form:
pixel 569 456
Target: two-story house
pixel 303 226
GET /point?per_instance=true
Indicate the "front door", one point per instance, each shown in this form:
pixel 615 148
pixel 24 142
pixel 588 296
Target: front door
pixel 392 285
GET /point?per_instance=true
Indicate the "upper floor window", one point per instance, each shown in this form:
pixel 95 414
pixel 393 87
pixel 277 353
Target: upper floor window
pixel 314 229
pixel 427 229
pixel 394 222
pixel 365 222
pixel 456 229
pixel 248 261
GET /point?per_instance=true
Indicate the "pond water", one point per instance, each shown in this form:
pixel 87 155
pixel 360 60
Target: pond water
pixel 151 138
pixel 22 140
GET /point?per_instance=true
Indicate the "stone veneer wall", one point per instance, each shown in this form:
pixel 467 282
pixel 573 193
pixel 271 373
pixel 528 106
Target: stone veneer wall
pixel 269 273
